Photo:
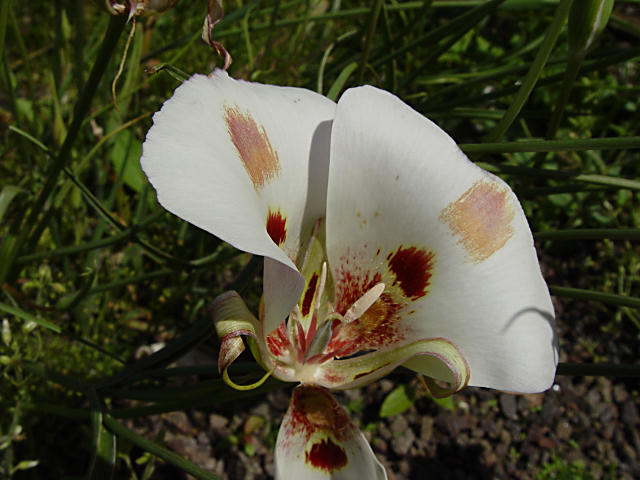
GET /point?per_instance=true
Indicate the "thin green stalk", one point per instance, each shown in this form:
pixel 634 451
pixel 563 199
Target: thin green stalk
pixel 595 179
pixel 442 31
pixel 103 242
pixel 591 295
pixel 590 234
pixel 612 143
pixel 622 55
pixel 598 370
pixel 371 31
pixel 4 19
pixel 570 75
pixel 27 317
pixel 130 280
pixel 116 26
pixel 157 450
pixel 66 412
pixel 534 72
pixel 177 347
pixel 228 395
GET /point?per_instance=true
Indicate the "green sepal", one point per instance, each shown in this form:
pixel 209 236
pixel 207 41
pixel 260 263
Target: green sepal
pixel 436 358
pixel 233 320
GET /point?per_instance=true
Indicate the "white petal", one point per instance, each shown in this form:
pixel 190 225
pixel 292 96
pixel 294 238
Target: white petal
pixel 450 241
pixel 318 441
pixel 234 158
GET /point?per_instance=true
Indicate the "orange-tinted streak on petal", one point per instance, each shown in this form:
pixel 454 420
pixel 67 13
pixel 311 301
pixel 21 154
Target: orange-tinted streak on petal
pixel 276 227
pixel 481 217
pixel 252 143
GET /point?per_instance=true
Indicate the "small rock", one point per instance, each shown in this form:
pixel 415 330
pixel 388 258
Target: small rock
pixel 399 424
pixel 218 422
pixel 593 399
pixel 279 399
pixel 607 413
pixel 403 442
pixel 605 387
pixel 386 385
pixel 179 420
pixel 508 405
pixel 549 411
pixel 384 431
pixel 564 430
pixel 620 394
pixel 630 413
pixel 261 410
pixel 426 429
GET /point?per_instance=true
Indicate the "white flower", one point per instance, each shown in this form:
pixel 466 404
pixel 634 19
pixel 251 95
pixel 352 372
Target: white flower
pixel 383 244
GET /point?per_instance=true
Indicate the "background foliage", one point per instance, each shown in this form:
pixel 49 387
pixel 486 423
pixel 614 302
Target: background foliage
pixel 103 291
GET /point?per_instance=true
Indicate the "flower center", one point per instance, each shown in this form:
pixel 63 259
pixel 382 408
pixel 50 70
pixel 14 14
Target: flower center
pixel 326 338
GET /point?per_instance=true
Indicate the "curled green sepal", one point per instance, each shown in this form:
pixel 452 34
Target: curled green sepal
pixel 232 384
pixel 437 358
pixel 233 320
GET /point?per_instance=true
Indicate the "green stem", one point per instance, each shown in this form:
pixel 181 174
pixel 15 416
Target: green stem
pixel 157 450
pixel 570 75
pixel 371 30
pixel 590 234
pixel 590 295
pixel 103 242
pixel 116 26
pixel 552 145
pixel 534 72
pixel 4 18
pixel 592 178
pixel 598 370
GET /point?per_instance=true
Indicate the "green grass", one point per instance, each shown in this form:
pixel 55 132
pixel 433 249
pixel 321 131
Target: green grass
pixel 92 269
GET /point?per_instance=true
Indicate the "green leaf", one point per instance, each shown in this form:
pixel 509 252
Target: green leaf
pixel 398 401
pixel 27 317
pixel 25 465
pixel 103 444
pixel 157 450
pixel 7 194
pixel 445 402
pixel 587 18
pixel 338 85
pixel 125 158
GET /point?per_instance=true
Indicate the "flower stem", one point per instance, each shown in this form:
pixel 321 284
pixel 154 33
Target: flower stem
pixel 534 72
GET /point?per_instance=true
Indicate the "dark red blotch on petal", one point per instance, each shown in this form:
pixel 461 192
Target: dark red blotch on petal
pixel 308 295
pixel 327 456
pixel 277 227
pixel 412 267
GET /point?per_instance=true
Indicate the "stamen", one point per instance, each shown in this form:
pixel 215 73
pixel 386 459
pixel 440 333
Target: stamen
pixel 363 303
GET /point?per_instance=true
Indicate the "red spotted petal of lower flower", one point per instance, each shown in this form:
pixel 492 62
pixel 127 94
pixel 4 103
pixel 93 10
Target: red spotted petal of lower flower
pixel 318 441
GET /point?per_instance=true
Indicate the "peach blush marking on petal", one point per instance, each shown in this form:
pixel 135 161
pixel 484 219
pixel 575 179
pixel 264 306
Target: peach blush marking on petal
pixel 482 218
pixel 276 227
pixel 259 158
